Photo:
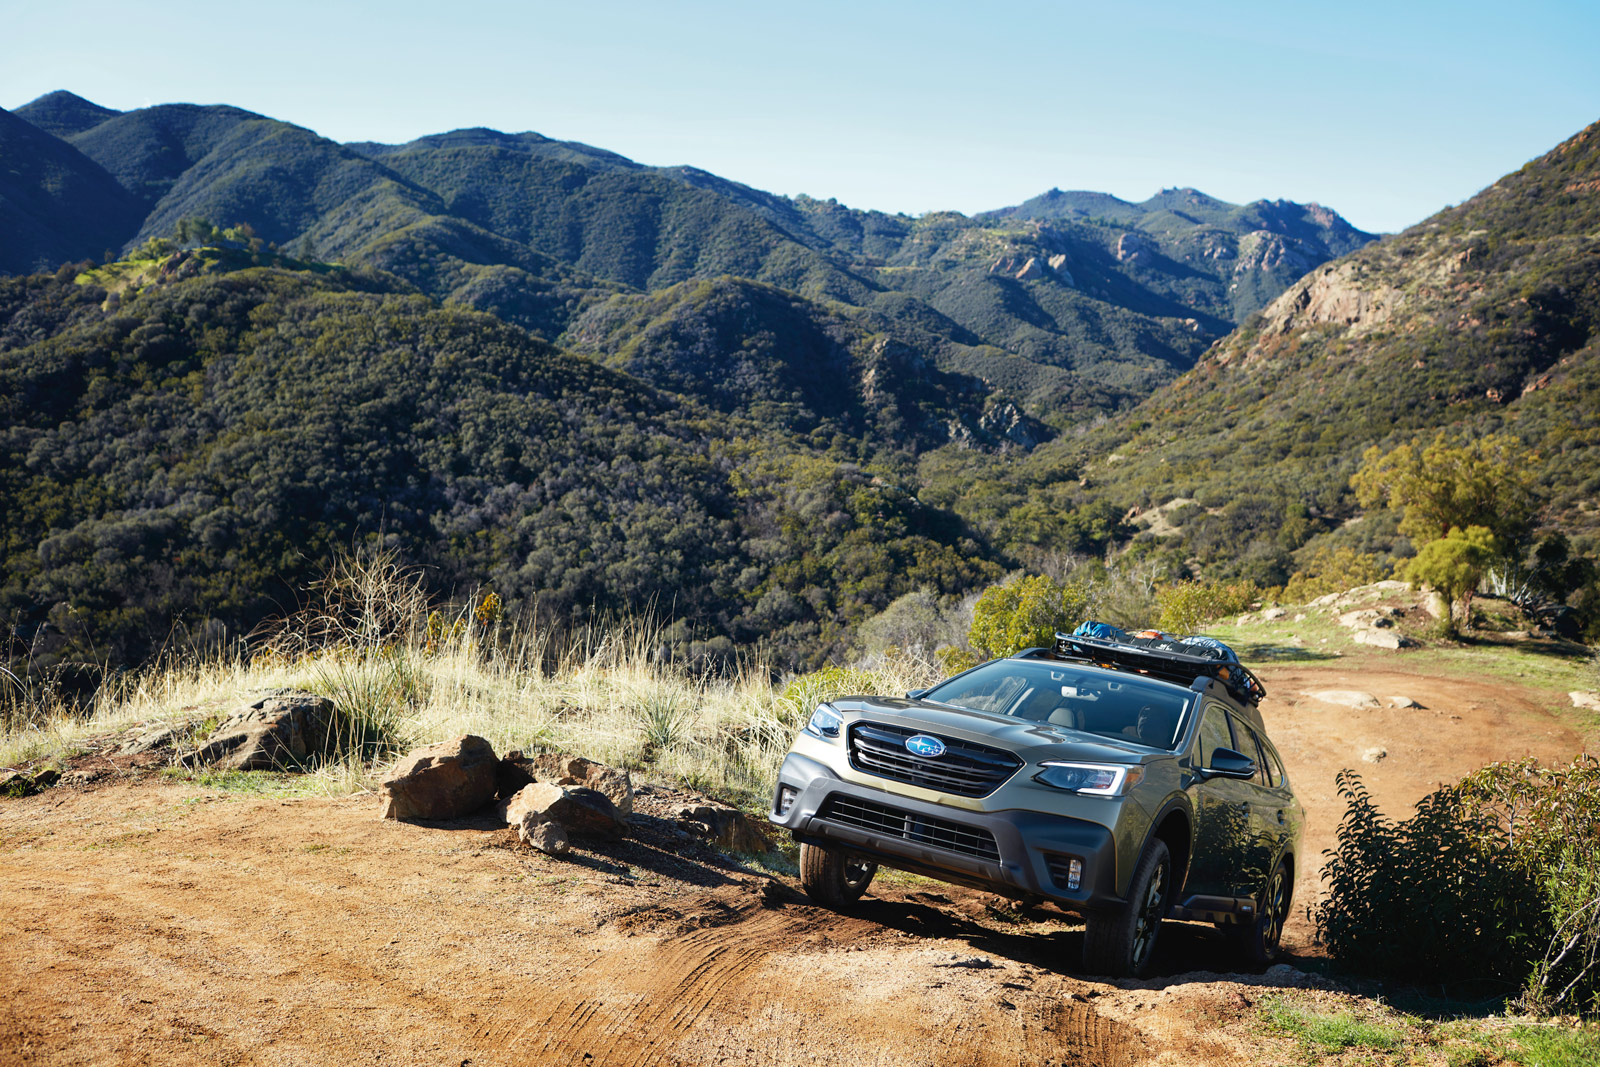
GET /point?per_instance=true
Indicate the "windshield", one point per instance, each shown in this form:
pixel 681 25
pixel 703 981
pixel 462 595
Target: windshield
pixel 1119 706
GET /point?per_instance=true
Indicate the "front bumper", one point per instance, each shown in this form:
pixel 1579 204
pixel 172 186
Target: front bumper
pixel 1016 853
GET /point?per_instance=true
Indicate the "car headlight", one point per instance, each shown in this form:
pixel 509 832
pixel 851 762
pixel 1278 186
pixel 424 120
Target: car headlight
pixel 825 723
pixel 1094 779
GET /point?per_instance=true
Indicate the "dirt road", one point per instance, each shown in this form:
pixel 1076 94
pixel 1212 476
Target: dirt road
pixel 149 921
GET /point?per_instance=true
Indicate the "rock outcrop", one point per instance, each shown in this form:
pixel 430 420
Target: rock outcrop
pixel 442 781
pixel 279 731
pixel 727 828
pixel 1347 698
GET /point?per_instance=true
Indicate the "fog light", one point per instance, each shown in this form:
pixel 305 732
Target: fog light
pixel 786 795
pixel 1074 873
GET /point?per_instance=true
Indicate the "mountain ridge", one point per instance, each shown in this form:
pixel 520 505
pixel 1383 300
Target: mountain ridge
pixel 537 230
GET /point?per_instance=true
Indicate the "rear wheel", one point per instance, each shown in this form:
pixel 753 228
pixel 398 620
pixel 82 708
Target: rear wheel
pixel 833 878
pixel 1258 940
pixel 1122 944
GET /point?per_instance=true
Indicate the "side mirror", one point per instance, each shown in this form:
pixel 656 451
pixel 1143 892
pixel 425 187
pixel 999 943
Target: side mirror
pixel 1226 763
pixel 915 694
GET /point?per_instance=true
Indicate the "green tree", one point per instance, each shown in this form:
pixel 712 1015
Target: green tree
pixel 1024 613
pixel 1454 564
pixel 1487 482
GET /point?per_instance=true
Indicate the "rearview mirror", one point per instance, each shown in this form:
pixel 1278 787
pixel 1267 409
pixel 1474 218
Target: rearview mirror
pixel 1226 763
pixel 915 694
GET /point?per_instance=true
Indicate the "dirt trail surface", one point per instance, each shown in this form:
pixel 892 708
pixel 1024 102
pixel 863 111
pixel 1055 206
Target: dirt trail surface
pixel 147 920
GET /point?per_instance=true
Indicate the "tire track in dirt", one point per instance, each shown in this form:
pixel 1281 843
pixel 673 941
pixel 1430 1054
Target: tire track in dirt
pixel 707 996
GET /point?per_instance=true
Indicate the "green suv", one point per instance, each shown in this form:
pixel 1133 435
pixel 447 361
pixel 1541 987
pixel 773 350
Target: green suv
pixel 1129 781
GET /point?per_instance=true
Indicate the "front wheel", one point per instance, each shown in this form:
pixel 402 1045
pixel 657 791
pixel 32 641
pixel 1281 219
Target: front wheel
pixel 1122 944
pixel 833 878
pixel 1258 940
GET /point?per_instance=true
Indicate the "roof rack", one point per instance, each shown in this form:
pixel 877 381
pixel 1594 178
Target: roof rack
pixel 1166 663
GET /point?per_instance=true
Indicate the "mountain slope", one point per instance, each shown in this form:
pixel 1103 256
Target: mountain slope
pixel 56 205
pixel 1484 318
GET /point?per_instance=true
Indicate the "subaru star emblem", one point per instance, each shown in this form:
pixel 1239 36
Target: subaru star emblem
pixel 924 746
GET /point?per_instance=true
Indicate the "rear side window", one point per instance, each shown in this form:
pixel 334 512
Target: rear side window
pixel 1256 751
pixel 1214 733
pixel 1278 777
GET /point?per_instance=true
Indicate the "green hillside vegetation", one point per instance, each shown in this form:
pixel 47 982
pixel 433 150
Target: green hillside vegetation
pixel 186 439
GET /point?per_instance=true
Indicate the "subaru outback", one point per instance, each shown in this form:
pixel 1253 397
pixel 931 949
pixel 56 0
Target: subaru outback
pixel 1126 781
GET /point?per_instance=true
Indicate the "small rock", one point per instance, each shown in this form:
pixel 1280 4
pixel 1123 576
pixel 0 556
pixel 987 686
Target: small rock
pixel 1403 702
pixel 442 781
pixel 16 784
pixel 1375 755
pixel 1274 613
pixel 1587 700
pixel 976 963
pixel 546 835
pixel 1300 617
pixel 1349 698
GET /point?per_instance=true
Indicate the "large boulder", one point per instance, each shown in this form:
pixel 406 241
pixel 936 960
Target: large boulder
pixel 1383 639
pixel 279 731
pixel 576 771
pixel 442 781
pixel 517 772
pixel 579 810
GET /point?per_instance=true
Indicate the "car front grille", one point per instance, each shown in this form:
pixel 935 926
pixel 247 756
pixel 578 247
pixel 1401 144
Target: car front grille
pixel 966 769
pixel 924 830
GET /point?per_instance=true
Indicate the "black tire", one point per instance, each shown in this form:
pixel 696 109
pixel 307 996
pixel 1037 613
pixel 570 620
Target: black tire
pixel 1258 940
pixel 833 878
pixel 1122 944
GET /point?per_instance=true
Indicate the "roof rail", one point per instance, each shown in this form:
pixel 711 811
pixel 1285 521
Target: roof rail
pixel 1167 664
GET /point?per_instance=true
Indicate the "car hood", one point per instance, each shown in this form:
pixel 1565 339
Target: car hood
pixel 1032 741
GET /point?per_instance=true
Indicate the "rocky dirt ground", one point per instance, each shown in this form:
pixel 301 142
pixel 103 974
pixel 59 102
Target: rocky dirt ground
pixel 147 919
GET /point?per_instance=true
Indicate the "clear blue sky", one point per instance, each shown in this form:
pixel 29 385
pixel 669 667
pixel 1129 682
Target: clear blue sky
pixel 1385 112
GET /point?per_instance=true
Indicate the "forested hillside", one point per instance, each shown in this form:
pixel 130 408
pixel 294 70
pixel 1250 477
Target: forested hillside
pixel 185 442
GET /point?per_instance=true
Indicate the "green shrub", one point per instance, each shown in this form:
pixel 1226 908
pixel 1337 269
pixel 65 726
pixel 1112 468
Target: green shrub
pixel 1187 606
pixel 1496 876
pixel 1025 613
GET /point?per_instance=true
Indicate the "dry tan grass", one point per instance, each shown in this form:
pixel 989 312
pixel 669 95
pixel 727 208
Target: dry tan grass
pixel 406 677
